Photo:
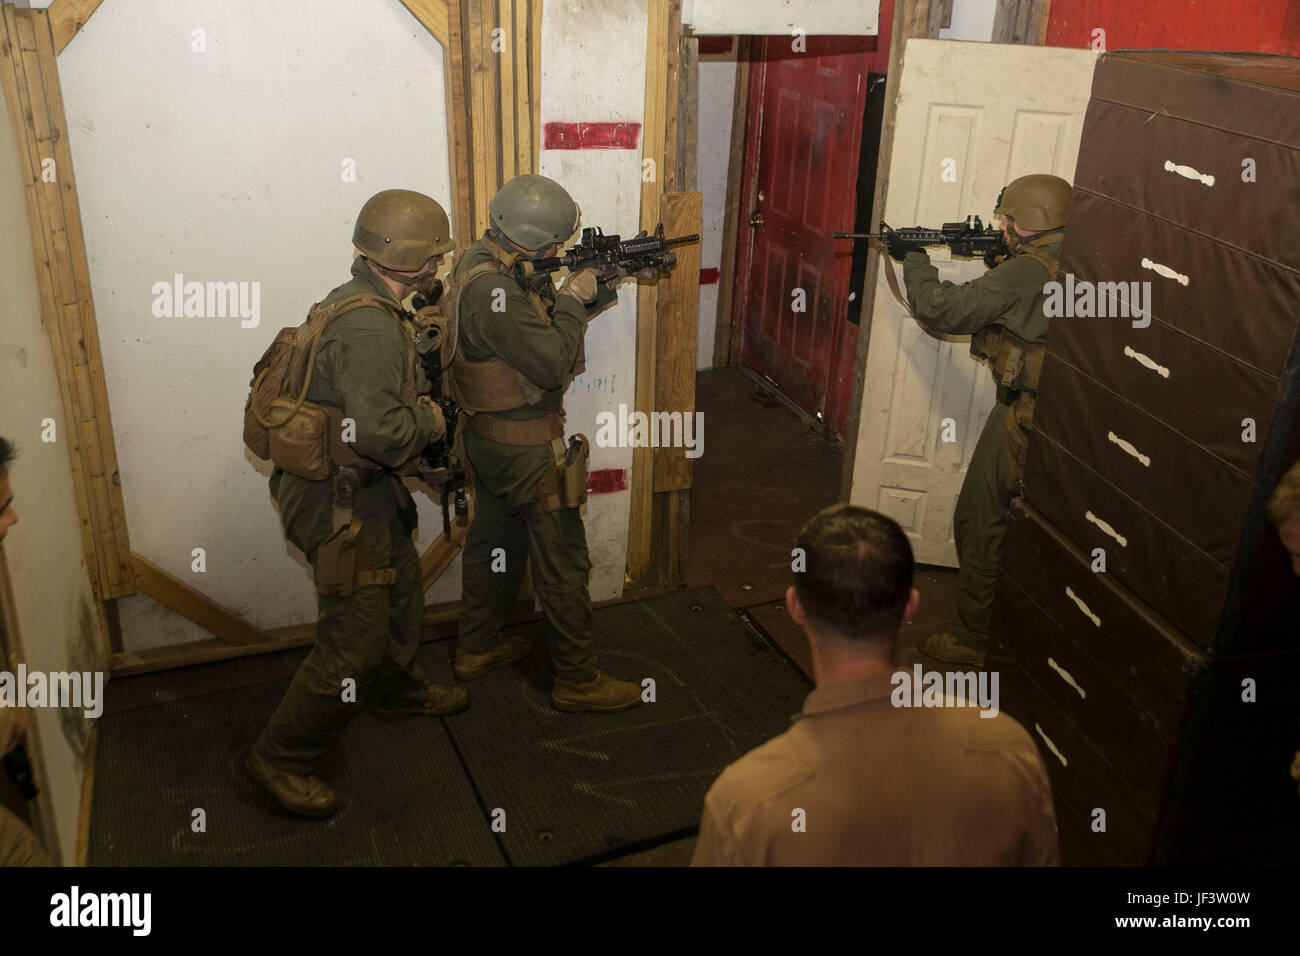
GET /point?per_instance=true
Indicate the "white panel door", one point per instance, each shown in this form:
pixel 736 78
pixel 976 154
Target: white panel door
pixel 983 114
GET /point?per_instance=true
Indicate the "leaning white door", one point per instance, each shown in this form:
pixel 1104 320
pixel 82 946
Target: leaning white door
pixel 971 117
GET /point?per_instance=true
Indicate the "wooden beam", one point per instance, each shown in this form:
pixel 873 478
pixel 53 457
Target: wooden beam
pixel 672 52
pixel 677 327
pixel 458 144
pixel 433 15
pixel 912 18
pixel 535 73
pixel 191 604
pixel 688 113
pixel 31 82
pixel 67 17
pixel 641 514
pixel 482 81
pixel 507 100
pixel 443 551
pixel 1021 21
pixel 734 205
pixel 525 100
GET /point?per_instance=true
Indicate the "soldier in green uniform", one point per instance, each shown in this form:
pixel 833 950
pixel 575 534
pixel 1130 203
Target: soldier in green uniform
pixel 1003 312
pixel 372 603
pixel 519 347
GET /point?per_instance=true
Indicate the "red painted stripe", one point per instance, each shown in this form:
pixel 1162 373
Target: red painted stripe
pixel 708 276
pixel 606 480
pixel 710 45
pixel 592 136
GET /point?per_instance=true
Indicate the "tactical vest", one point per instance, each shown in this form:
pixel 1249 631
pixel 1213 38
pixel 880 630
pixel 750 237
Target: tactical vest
pixel 1016 366
pixel 1016 363
pixel 482 388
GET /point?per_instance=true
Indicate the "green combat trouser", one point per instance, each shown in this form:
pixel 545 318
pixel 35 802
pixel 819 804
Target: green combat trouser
pixel 506 480
pixel 978 525
pixel 370 636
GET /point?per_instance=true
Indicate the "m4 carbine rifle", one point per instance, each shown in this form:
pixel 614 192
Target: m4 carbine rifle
pixel 966 239
pixel 442 470
pixel 610 255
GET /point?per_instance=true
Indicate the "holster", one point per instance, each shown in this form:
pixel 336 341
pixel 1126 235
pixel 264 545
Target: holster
pixel 564 483
pixel 573 473
pixel 1015 444
pixel 336 561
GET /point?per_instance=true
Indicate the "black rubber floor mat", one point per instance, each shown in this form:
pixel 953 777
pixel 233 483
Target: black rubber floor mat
pixel 576 787
pixel 403 795
pixel 775 621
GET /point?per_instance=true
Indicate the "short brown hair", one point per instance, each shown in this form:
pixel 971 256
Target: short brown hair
pixel 1284 506
pixel 857 575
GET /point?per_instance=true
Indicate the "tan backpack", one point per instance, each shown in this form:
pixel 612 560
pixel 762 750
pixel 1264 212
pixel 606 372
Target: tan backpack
pixel 279 422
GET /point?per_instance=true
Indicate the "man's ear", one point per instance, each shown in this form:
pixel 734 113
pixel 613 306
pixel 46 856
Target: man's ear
pixel 792 605
pixel 913 602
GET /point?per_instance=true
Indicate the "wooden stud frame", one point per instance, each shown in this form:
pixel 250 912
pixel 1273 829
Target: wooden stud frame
pixel 496 138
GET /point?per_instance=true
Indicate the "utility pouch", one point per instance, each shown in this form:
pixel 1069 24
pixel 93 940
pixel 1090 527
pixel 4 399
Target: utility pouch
pixel 573 473
pixel 1015 445
pixel 301 445
pixel 336 561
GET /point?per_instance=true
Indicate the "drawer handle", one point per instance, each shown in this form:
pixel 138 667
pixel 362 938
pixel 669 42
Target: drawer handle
pixel 1147 362
pixel 1065 676
pixel 1146 462
pixel 1165 271
pixel 1187 171
pixel 1087 611
pixel 1123 541
pixel 1051 746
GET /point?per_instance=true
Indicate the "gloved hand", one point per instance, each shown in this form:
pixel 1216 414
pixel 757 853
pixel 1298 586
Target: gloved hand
pixel 440 429
pixel 582 285
pixel 898 246
pixel 649 274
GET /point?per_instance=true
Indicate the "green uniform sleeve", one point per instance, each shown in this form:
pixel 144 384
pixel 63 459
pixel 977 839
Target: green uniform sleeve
pixel 368 363
pixel 544 353
pixel 961 309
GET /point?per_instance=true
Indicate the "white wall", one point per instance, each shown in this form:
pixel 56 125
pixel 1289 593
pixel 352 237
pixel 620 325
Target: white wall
pixel 226 165
pixel 582 40
pixel 54 602
pixel 971 20
pixel 716 108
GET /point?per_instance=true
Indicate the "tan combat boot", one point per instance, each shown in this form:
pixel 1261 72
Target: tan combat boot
pixel 305 796
pixel 473 666
pixel 439 702
pixel 601 692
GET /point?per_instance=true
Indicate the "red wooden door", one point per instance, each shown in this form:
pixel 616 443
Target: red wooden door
pixel 803 133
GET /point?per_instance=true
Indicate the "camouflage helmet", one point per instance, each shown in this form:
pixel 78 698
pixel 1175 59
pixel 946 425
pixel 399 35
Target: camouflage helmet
pixel 533 212
pixel 1035 202
pixel 401 230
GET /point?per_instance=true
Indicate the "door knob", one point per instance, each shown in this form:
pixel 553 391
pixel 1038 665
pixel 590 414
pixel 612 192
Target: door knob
pixel 755 220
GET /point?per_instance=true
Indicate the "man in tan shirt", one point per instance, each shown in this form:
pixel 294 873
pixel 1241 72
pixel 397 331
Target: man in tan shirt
pixel 869 774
